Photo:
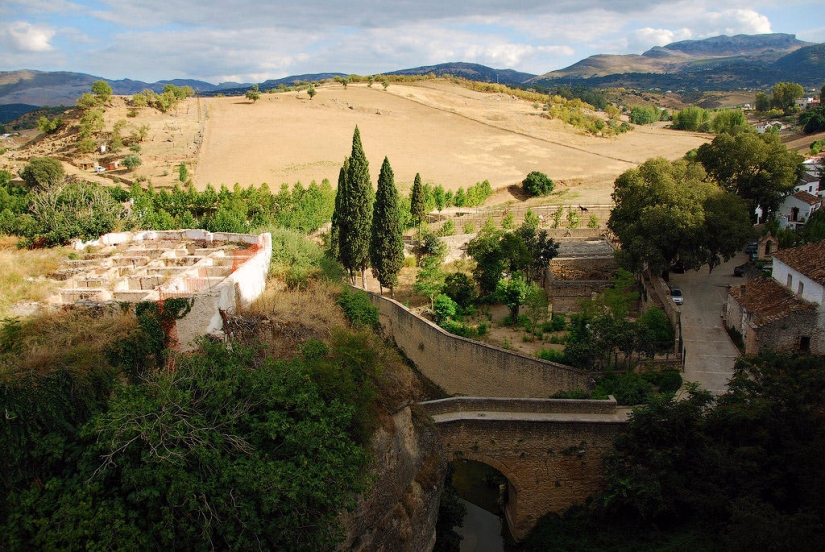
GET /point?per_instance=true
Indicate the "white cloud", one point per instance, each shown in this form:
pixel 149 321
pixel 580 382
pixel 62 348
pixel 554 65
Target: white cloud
pixel 732 22
pixel 22 36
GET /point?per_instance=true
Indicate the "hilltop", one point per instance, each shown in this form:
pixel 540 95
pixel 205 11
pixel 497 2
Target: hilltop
pixel 718 63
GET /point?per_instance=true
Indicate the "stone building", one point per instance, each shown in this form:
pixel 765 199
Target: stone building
pixel 784 312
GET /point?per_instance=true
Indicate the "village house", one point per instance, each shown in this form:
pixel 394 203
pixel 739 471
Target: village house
pixel 784 312
pixel 795 209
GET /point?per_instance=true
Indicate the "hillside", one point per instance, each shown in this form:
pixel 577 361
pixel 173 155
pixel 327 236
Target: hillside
pixel 718 63
pixel 470 71
pixel 449 134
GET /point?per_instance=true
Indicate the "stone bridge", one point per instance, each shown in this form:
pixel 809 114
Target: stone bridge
pixel 550 450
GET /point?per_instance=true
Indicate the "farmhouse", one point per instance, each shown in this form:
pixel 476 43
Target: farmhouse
pixel 797 208
pixel 784 312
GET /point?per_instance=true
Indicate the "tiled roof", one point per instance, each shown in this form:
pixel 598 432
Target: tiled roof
pixel 807 259
pixel 767 301
pixel 810 199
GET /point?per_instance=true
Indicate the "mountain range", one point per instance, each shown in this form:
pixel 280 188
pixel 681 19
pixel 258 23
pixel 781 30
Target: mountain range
pixel 718 63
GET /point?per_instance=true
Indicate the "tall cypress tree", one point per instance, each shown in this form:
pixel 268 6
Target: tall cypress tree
pixel 386 238
pixel 418 205
pixel 340 194
pixel 355 213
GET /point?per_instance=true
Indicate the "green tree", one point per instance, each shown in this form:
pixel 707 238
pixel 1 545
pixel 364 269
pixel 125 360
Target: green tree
pixel 311 92
pixel 41 173
pixel 386 237
pixel 440 198
pixel 537 184
pixel 757 167
pixel 183 172
pixel 661 212
pixel 49 126
pixel 354 220
pixel 513 292
pixel 418 207
pixel 132 162
pixel 692 118
pixel 644 115
pixel 731 121
pixel 762 103
pixel 430 278
pixel 253 94
pixel 784 95
pixel 102 90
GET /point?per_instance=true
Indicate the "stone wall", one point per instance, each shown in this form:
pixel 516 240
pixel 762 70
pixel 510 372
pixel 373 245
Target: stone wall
pixel 565 295
pixel 549 466
pixel 464 367
pixel 784 334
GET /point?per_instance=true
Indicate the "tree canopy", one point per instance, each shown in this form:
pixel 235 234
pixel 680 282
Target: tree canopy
pixel 253 94
pixel 353 211
pixel 42 173
pixel 784 95
pixel 386 236
pixel 537 184
pixel 102 90
pixel 664 210
pixel 757 167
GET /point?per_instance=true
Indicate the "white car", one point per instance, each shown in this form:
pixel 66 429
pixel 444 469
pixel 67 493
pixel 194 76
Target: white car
pixel 100 169
pixel 676 295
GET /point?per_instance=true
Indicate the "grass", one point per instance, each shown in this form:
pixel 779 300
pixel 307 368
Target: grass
pixel 52 341
pixel 21 272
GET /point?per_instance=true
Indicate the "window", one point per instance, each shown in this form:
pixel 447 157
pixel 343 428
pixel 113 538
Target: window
pixel 790 280
pixel 800 287
pixel 805 343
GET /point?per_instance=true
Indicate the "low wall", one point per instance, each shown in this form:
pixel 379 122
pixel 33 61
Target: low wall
pixel 528 406
pixel 565 295
pixel 238 290
pixel 464 367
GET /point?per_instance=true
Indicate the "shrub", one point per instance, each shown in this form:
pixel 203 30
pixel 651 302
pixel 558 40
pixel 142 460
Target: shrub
pixel 132 161
pixel 444 307
pixel 461 289
pixel 537 184
pixel 358 309
pixel 552 355
pixel 447 229
pixel 469 228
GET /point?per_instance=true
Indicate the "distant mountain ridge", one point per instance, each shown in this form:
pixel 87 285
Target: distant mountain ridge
pixel 469 71
pixel 717 63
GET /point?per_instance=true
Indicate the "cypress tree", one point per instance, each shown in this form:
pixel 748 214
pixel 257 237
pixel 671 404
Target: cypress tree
pixel 417 200
pixel 355 214
pixel 386 238
pixel 340 193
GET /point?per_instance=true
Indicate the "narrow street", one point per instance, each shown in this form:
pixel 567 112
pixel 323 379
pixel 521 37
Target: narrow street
pixel 710 351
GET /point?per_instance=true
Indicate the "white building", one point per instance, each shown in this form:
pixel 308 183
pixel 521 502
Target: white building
pixel 795 209
pixel 784 312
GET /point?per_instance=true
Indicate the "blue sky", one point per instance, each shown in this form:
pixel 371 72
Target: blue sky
pixel 251 41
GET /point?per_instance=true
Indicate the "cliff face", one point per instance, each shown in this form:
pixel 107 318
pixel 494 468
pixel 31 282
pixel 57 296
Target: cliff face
pixel 400 511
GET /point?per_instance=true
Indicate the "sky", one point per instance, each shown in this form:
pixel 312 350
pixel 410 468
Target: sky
pixel 255 40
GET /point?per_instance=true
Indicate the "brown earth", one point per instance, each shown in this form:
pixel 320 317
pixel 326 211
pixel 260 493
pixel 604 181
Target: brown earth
pixel 451 135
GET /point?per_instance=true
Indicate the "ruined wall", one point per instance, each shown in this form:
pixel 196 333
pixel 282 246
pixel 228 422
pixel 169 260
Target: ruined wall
pixel 565 295
pixel 238 290
pixel 784 334
pixel 400 511
pixel 549 466
pixel 522 406
pixel 465 367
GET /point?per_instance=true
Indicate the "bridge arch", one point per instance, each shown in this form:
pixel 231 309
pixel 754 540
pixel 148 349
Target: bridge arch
pixel 549 450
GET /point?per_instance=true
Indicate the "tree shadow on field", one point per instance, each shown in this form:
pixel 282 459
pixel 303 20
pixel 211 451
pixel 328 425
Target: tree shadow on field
pixel 518 193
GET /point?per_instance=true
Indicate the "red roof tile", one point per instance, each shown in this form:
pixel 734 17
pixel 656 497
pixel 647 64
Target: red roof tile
pixel 767 301
pixel 807 259
pixel 804 196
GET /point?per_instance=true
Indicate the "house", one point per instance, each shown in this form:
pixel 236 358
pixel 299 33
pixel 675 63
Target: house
pixel 785 312
pixel 796 208
pixel 805 104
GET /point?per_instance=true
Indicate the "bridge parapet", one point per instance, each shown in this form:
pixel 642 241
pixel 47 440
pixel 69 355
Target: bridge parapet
pixel 515 405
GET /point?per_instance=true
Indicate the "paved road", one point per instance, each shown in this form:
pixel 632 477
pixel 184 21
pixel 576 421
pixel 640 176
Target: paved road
pixel 710 352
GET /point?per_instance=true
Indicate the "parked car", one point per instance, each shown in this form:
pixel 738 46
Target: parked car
pixel 740 270
pixel 679 267
pixel 676 295
pixel 100 169
pixel 753 250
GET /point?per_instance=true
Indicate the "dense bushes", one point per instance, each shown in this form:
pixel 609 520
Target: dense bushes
pixel 742 472
pixel 537 184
